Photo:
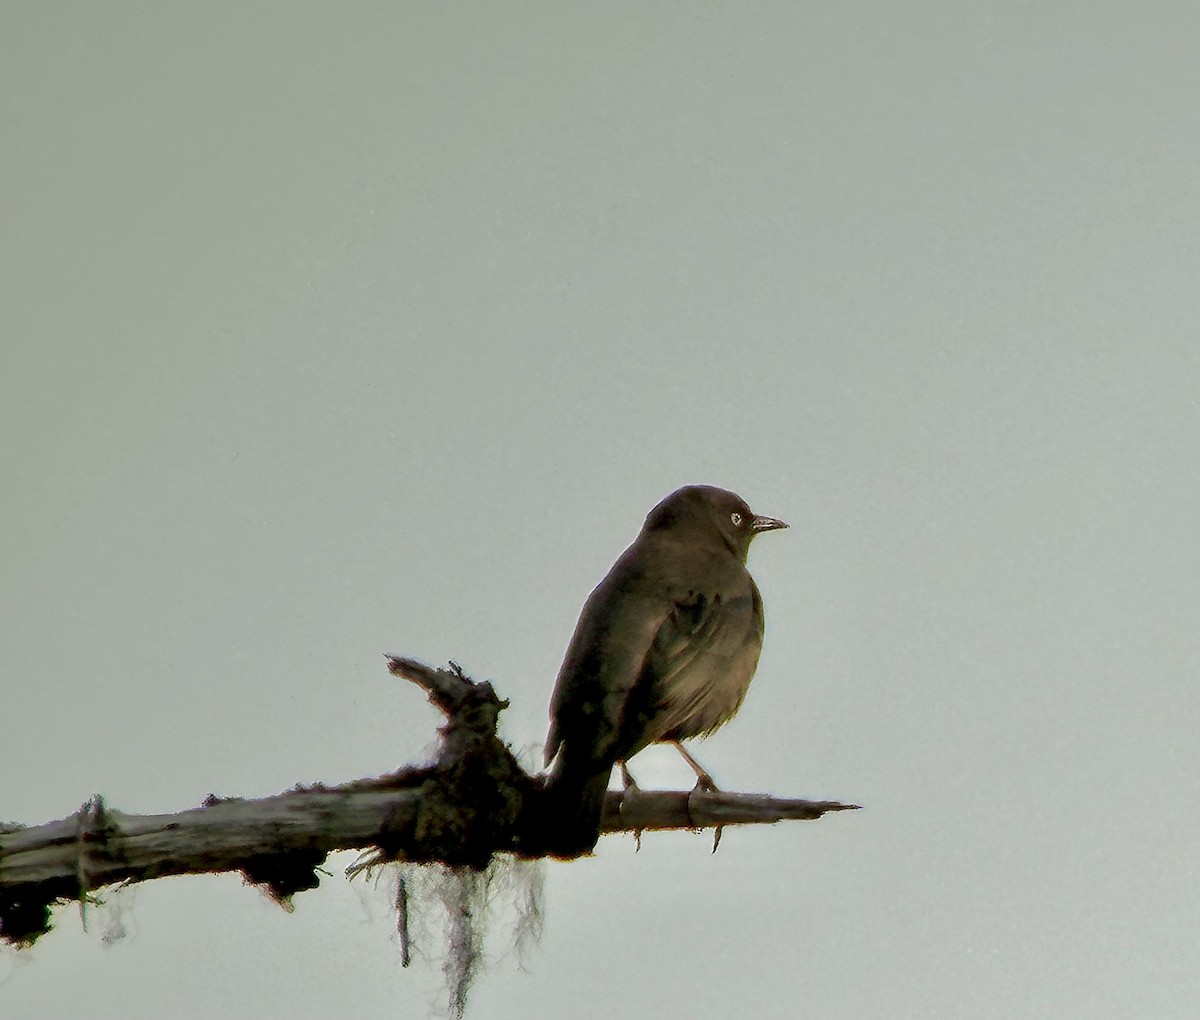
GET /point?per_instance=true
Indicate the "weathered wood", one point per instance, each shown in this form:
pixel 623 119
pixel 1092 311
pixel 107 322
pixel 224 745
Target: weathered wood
pixel 473 802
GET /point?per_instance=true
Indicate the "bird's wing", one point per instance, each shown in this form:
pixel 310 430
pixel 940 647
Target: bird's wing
pixel 605 660
pixel 698 667
pixel 652 662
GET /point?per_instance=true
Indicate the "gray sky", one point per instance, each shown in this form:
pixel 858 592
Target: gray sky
pixel 337 329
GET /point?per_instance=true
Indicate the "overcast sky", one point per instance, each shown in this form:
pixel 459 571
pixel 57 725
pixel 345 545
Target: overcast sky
pixel 331 330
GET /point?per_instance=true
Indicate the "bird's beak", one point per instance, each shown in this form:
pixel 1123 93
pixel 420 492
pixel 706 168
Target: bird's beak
pixel 765 524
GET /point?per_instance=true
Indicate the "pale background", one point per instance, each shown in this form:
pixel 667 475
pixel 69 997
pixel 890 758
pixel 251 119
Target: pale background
pixel 336 329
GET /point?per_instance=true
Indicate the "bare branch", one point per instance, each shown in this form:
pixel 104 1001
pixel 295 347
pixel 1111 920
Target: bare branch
pixel 638 809
pixel 473 802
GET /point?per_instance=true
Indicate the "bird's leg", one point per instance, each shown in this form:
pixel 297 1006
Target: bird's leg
pixel 704 782
pixel 627 777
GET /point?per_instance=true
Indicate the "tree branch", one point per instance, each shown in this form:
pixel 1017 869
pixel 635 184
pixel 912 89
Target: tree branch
pixel 474 801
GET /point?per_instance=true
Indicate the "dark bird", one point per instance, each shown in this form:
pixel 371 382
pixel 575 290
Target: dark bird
pixel 664 650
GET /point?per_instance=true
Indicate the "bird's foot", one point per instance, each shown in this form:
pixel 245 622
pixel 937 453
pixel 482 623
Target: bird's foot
pixel 629 783
pixel 705 784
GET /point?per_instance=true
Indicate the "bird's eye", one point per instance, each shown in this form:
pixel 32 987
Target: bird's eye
pixel 736 518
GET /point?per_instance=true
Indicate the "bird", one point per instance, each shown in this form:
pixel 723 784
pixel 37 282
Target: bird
pixel 664 650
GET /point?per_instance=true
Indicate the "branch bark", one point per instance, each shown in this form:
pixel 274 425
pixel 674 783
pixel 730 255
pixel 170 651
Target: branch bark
pixel 474 801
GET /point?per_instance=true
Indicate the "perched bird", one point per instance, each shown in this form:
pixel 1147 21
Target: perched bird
pixel 664 650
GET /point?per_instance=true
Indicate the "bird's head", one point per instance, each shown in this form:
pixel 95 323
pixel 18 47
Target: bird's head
pixel 716 514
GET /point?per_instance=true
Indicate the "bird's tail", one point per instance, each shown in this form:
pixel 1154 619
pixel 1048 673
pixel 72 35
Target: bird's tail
pixel 573 807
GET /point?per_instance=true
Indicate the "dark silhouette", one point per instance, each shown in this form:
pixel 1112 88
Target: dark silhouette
pixel 664 650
